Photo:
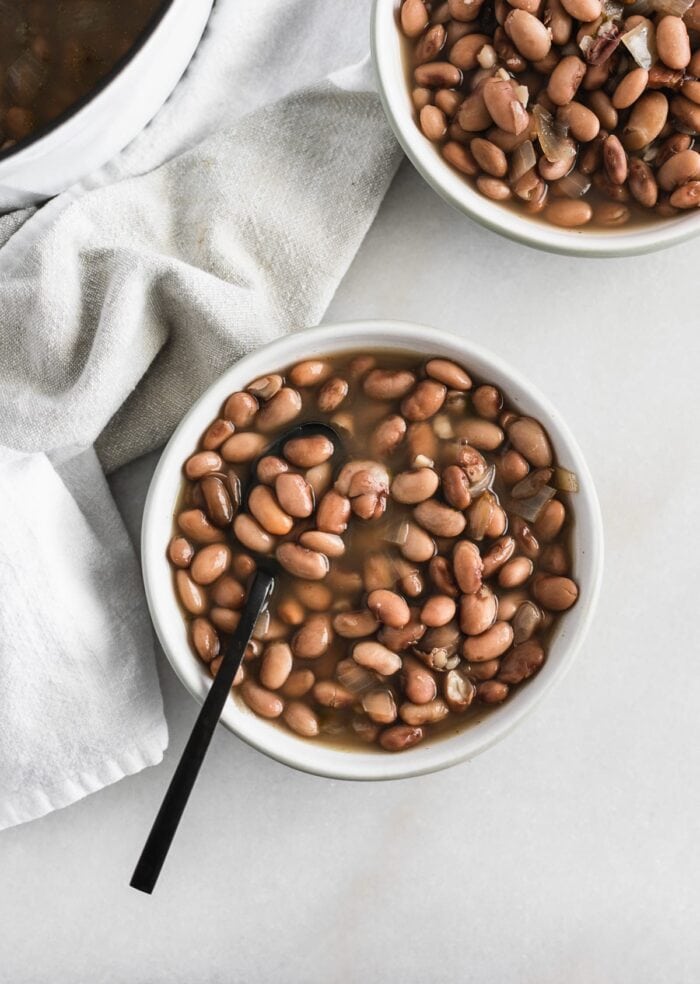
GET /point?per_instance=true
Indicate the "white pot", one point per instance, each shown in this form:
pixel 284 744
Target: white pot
pixel 111 117
pixel 389 62
pixel 435 752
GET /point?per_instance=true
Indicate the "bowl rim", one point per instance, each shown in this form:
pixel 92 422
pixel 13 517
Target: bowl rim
pixel 386 43
pixel 323 759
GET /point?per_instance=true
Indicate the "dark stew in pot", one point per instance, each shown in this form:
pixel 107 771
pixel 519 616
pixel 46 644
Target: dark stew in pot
pixel 54 52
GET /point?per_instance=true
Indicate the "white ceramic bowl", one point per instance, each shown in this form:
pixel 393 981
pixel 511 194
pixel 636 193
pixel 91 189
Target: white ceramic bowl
pixel 96 128
pixel 315 756
pixel 387 51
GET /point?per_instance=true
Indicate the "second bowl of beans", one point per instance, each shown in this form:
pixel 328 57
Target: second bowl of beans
pixel 436 572
pixel 569 125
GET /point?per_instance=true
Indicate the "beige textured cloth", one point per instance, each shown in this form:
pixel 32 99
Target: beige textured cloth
pixel 119 303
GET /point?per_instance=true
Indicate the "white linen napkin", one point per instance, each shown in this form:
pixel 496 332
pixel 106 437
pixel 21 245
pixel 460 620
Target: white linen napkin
pixel 120 301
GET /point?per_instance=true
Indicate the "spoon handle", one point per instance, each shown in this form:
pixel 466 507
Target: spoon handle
pixel 166 823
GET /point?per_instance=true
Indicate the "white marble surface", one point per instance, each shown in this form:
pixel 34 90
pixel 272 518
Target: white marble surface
pixel 566 854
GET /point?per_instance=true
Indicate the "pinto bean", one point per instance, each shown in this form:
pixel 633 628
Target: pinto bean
pixel 569 213
pixel 333 512
pixel 679 169
pixel 438 610
pixel 555 559
pixel 490 644
pixel 477 611
pixel 355 625
pixel 276 665
pixel 464 52
pixel 202 463
pixel 529 438
pixel 529 34
pixel 646 121
pixel 504 107
pixel 195 525
pixel 240 409
pixel 484 435
pixel 388 384
pixel 332 394
pixel 497 555
pixel 455 487
pixel 550 521
pixel 301 719
pixel 224 619
pixel 265 387
pixel 264 506
pixel 566 78
pixel 521 662
pixel 262 702
pixel 209 563
pixel 615 160
pixel 205 639
pixel 424 401
pixel 388 435
pixel 302 562
pixel 279 411
pixel 672 42
pixel 330 693
pixel 438 74
pixel 312 639
pixel 439 519
pixel 515 572
pixel 460 157
pixel 400 737
pixel 687 196
pixel 294 495
pixel 468 566
pixel 642 183
pixel 414 18
pixel 433 123
pixel 306 452
pixel 630 88
pixel 379 705
pixel 418 682
pixel 311 372
pixel 217 433
pixel 418 714
pixel 415 485
pixel 373 656
pixel 243 447
pixel 180 552
pixel 492 691
pixel 388 607
pixel 555 593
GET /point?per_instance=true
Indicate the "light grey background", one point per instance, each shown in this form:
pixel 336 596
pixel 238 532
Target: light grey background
pixel 568 853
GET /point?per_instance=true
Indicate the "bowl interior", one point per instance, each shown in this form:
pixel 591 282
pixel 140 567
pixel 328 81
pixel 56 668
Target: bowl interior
pixel 388 54
pixel 313 756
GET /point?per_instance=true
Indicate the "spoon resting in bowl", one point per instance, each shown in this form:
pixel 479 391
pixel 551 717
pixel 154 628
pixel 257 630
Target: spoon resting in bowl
pixel 259 593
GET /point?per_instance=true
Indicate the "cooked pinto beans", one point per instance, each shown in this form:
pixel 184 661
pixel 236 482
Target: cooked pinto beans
pixel 562 109
pixel 421 569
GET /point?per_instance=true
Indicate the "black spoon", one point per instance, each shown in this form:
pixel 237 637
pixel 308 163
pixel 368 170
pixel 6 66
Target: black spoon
pixel 261 587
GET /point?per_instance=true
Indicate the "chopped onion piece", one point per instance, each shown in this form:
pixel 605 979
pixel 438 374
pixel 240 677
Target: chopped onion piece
pixel 650 153
pixel 485 482
pixel 522 94
pixel 574 184
pixel 584 44
pixel 552 136
pixel 522 160
pixel 531 508
pixel 641 44
pixel 423 461
pixel 262 624
pixel 442 425
pixel 396 533
pixel 502 75
pixel 565 480
pixel 674 7
pixel 612 9
pixel 487 56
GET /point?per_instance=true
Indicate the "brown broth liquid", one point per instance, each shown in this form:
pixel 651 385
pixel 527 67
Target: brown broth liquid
pixel 364 538
pixel 54 52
